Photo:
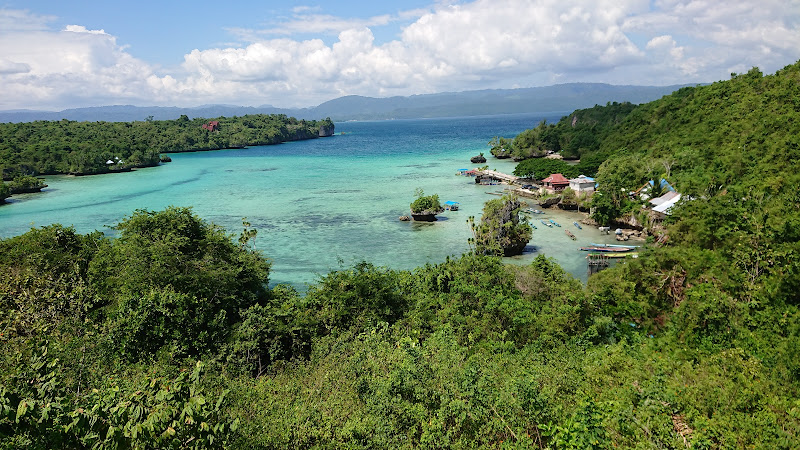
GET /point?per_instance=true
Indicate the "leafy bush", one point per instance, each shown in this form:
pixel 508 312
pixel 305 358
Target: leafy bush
pixel 426 204
pixel 500 231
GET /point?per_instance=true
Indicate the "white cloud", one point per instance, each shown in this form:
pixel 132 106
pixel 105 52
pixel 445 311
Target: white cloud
pixel 9 67
pixel 723 37
pixel 52 68
pixel 478 44
pixel 82 29
pixel 21 20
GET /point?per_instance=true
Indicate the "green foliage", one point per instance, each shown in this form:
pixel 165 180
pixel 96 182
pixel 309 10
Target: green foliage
pixel 426 204
pixel 86 147
pixel 178 281
pixel 577 136
pixel 5 191
pixel 541 168
pixel 362 296
pixel 500 231
pixel 501 147
pixel 37 412
pixel 25 183
pixel 535 142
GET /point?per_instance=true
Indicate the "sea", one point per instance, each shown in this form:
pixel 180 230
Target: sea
pixel 324 204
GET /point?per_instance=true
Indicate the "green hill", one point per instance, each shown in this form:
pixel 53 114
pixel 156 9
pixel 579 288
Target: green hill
pixel 167 336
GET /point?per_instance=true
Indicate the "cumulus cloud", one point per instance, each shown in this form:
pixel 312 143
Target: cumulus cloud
pixel 446 47
pixel 731 36
pixel 451 45
pixel 42 68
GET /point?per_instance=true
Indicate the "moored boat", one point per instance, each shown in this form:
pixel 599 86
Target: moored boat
pixel 544 222
pixel 614 245
pixel 612 255
pixel 569 233
pixel 577 225
pixel 554 223
pixel 606 249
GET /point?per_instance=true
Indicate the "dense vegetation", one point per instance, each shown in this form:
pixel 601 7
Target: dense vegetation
pixel 500 232
pixel 167 337
pixel 65 146
pixel 576 136
pixel 426 204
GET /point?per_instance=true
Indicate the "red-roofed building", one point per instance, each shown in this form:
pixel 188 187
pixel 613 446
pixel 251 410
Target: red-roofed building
pixel 211 126
pixel 555 182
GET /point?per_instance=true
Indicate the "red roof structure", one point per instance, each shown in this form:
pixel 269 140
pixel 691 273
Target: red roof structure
pixel 556 181
pixel 211 126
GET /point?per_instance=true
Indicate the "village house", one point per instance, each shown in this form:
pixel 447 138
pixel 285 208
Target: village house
pixel 582 184
pixel 555 182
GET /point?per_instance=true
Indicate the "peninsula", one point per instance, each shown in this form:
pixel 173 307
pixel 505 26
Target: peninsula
pixel 86 148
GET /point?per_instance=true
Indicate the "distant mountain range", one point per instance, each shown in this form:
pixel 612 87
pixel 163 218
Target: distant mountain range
pixel 557 98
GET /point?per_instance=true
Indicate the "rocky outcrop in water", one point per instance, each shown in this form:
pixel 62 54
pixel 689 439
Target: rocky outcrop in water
pixel 480 159
pixel 326 130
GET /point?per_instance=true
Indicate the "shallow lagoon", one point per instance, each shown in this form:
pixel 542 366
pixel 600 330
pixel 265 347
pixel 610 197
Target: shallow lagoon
pixel 319 205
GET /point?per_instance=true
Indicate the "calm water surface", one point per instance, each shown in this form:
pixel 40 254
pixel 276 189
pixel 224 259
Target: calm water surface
pixel 318 205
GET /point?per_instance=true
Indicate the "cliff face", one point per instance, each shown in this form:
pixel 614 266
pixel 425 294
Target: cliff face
pixel 326 130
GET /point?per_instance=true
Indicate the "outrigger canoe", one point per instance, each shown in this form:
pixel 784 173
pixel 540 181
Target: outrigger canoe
pixel 614 245
pixel 614 255
pixel 606 249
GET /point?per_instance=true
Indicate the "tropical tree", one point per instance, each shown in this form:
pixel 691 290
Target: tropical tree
pixel 500 231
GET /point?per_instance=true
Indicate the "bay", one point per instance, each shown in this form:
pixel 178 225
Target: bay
pixel 318 205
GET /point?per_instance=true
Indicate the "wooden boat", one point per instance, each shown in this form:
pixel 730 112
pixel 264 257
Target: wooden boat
pixel 577 225
pixel 612 255
pixel 569 233
pixel 544 222
pixel 614 245
pixel 554 223
pixel 606 249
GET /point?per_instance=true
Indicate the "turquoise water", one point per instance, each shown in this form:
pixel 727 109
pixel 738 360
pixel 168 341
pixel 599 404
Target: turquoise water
pixel 318 205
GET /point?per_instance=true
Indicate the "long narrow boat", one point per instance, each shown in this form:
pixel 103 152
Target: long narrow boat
pixel 606 249
pixel 577 225
pixel 544 222
pixel 569 233
pixel 554 223
pixel 614 245
pixel 614 255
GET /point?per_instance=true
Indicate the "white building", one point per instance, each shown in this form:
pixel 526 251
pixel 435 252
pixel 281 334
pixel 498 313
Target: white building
pixel 582 183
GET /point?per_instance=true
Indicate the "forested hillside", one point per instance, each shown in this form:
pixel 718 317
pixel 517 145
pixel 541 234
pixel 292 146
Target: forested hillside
pixel 167 336
pixel 41 147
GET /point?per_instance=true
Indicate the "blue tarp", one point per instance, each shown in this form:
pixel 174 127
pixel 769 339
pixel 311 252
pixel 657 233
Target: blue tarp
pixel 664 184
pixel 450 203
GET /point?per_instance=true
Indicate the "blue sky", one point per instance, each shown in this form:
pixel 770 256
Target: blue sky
pixel 57 54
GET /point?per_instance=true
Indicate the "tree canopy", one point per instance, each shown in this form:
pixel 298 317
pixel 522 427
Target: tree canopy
pixel 62 147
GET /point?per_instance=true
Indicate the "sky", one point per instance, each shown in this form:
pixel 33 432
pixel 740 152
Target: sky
pixel 56 54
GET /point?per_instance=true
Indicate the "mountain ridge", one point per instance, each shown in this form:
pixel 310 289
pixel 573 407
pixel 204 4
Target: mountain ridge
pixel 559 97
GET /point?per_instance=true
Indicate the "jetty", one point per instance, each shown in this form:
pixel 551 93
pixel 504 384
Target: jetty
pixel 494 177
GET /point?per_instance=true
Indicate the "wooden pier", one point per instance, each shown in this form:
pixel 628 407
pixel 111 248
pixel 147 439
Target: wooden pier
pixel 597 262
